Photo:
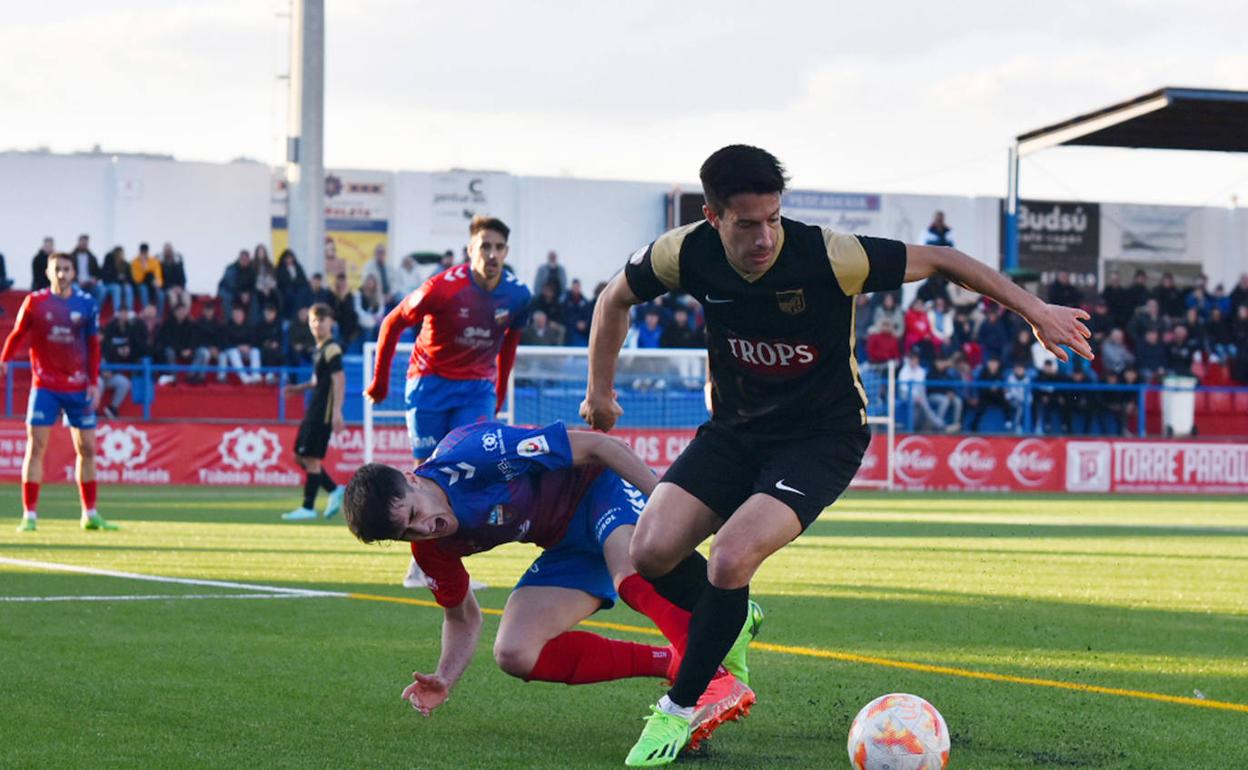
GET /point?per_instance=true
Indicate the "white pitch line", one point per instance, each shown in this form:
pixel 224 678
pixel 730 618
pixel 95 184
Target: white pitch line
pixel 152 597
pixel 162 579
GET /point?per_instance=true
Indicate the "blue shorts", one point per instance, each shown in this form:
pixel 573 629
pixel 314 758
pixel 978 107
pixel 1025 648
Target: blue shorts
pixel 436 406
pixel 45 406
pixel 576 561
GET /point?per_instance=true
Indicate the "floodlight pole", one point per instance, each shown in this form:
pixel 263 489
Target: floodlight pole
pixel 305 162
pixel 1011 214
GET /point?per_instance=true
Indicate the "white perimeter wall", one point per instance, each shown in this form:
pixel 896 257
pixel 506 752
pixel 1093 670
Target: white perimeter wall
pixel 207 210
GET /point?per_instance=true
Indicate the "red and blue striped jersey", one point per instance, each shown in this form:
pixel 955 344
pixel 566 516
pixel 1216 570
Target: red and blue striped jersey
pixel 462 325
pixel 64 339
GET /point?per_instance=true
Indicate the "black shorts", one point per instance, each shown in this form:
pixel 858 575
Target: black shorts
pixel 722 468
pixel 313 439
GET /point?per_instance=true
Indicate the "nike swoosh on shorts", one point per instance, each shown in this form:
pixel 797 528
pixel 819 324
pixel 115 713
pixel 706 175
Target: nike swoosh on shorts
pixel 780 485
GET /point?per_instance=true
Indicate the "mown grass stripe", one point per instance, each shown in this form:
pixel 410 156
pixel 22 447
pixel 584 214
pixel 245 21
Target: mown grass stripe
pixel 151 597
pixel 849 657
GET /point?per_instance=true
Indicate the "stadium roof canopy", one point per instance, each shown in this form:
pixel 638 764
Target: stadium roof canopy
pixel 1166 119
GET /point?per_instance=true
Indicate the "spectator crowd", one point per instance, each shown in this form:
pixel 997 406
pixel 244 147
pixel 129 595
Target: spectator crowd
pixel 960 357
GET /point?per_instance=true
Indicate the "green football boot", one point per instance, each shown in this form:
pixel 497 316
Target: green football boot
pixel 736 661
pixel 96 522
pixel 661 740
pixel 28 524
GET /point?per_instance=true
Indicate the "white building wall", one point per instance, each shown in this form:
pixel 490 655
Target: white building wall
pixel 52 195
pixel 210 211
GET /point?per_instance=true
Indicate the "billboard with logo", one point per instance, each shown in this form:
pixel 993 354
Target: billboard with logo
pixel 1058 236
pixel 250 455
pixel 458 196
pixel 1156 466
pixel 357 219
pixel 1011 464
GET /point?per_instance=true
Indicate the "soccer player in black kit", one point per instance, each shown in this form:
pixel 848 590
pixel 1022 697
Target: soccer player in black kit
pixel 788 426
pixel 322 417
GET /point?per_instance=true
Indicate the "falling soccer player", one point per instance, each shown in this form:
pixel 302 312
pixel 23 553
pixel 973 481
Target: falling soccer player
pixel 576 495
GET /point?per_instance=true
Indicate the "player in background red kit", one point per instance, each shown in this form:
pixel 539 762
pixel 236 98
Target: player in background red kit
pixel 470 318
pixel 62 322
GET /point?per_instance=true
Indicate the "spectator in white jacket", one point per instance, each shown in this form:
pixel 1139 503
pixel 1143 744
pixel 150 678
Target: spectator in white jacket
pixel 370 307
pixel 388 281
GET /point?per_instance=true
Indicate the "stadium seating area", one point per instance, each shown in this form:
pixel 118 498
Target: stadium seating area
pixel 963 364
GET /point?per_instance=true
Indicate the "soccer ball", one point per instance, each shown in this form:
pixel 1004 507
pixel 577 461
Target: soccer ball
pixel 898 732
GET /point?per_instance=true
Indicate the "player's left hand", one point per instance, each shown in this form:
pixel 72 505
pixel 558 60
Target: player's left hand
pixel 338 423
pixel 93 396
pixel 427 692
pixel 1056 325
pixel 377 391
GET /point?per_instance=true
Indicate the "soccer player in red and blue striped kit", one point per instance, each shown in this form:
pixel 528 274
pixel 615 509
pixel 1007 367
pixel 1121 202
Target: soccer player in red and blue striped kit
pixel 574 494
pixel 62 322
pixel 470 319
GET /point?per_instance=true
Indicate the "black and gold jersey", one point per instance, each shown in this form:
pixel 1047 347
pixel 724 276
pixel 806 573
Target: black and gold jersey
pixel 780 343
pixel 325 363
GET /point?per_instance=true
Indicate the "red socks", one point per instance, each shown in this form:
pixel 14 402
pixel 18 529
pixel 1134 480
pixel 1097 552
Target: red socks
pixel 86 490
pixel 579 657
pixel 638 593
pixel 30 496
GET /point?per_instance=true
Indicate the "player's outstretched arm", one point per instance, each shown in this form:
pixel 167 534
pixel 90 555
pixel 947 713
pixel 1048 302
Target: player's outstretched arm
pixel 600 410
pixel 461 627
pixel 406 314
pixel 589 447
pixel 1053 325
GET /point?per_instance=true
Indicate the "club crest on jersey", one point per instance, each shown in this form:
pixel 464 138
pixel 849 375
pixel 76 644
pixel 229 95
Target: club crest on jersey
pixel 498 516
pixel 75 316
pixel 501 316
pixel 533 446
pixel 791 302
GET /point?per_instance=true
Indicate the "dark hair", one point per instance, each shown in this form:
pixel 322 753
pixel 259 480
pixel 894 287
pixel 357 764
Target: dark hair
pixel 321 310
pixel 143 247
pixel 739 168
pixel 62 255
pixel 366 505
pixel 482 222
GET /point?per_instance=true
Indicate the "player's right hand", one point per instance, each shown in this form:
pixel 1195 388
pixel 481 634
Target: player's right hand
pixel 426 692
pixel 601 412
pixel 376 391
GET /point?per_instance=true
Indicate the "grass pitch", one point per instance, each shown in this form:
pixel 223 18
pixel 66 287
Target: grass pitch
pixel 1116 630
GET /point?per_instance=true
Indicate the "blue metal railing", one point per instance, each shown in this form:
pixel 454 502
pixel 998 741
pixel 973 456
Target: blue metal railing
pixel 1029 405
pixel 145 375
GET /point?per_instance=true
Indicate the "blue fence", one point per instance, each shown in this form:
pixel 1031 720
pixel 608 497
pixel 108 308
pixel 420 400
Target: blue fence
pixel 1037 407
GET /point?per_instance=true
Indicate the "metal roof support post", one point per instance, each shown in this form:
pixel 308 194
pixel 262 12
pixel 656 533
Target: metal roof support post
pixel 1010 259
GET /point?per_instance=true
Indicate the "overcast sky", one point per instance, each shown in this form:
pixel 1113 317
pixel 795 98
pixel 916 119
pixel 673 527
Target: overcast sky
pixel 877 96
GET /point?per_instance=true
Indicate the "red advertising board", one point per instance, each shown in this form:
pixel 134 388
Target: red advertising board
pixel 1011 464
pixel 253 454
